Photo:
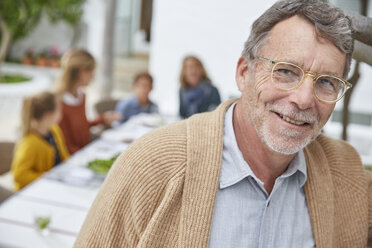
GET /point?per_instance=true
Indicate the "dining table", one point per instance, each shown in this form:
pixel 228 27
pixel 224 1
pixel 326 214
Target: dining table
pixel 50 211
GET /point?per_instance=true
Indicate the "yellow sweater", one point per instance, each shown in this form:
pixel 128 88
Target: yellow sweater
pixel 34 156
pixel 161 191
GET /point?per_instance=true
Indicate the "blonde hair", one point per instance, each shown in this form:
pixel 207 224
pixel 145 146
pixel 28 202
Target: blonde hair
pixel 204 75
pixel 35 107
pixel 72 62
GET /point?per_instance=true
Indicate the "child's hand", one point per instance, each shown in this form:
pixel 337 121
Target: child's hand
pixel 111 116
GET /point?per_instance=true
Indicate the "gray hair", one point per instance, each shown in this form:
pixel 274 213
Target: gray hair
pixel 330 23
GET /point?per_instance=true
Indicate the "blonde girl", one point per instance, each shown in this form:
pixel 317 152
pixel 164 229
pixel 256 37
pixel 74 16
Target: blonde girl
pixel 42 144
pixel 77 72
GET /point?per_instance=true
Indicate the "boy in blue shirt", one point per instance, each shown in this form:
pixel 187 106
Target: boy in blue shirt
pixel 140 102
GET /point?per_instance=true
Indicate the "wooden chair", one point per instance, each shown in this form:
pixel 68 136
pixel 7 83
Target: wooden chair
pixel 6 179
pixel 6 156
pixel 105 105
pixel 101 107
pixel 4 194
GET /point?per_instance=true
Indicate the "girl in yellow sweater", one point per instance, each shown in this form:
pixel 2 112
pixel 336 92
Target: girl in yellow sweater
pixel 42 145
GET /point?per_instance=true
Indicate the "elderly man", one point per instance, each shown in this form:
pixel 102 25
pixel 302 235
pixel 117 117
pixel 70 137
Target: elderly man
pixel 256 172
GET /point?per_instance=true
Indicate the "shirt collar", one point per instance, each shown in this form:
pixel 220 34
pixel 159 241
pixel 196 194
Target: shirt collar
pixel 71 100
pixel 239 169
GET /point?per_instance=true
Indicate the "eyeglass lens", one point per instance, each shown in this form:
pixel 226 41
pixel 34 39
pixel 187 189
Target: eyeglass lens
pixel 287 76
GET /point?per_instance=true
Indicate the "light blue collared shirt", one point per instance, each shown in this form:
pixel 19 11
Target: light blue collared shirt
pixel 246 216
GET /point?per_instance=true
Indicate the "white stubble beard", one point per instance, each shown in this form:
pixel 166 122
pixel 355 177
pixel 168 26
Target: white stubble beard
pixel 290 141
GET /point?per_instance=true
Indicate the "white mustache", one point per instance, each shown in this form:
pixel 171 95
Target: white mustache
pixel 295 114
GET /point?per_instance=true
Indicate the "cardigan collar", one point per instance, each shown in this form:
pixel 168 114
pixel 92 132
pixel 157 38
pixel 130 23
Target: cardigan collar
pixel 319 194
pixel 204 156
pixel 205 133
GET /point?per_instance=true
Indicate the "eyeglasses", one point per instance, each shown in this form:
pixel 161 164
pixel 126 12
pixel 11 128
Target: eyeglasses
pixel 287 76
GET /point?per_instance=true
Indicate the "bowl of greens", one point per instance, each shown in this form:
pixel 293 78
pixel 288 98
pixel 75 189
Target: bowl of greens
pixel 102 166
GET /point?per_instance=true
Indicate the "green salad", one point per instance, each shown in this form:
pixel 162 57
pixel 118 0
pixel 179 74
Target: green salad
pixel 102 166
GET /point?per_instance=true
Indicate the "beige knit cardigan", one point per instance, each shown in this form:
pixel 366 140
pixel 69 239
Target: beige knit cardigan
pixel 162 189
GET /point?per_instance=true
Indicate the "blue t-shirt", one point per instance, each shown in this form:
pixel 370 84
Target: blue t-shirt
pixel 130 107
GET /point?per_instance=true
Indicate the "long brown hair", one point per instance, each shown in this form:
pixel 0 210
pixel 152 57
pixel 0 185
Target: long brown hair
pixel 35 107
pixel 204 75
pixel 72 62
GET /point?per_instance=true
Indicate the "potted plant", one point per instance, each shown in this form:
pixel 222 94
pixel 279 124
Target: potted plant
pixel 54 59
pixel 19 18
pixel 28 58
pixel 41 59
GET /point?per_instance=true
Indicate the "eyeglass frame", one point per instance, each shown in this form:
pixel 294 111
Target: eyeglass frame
pixel 314 75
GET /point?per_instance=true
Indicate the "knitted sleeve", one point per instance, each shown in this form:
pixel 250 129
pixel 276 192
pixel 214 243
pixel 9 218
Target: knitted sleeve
pixel 369 179
pixel 141 187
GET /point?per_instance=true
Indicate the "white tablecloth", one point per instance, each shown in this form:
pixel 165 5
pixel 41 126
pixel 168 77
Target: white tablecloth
pixel 66 192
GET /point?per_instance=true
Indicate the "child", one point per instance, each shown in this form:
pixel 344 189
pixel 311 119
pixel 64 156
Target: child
pixel 77 72
pixel 140 102
pixel 42 145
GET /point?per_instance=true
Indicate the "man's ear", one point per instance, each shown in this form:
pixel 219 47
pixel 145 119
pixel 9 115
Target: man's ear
pixel 242 74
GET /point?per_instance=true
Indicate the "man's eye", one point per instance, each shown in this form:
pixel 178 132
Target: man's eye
pixel 327 83
pixel 286 72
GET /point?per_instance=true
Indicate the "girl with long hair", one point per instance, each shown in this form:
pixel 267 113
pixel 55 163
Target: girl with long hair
pixel 42 145
pixel 197 94
pixel 77 71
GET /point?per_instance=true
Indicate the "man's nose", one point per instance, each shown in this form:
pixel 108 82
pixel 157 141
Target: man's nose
pixel 303 96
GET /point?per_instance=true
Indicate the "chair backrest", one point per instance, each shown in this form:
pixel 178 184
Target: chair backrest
pixel 4 194
pixel 105 105
pixel 6 156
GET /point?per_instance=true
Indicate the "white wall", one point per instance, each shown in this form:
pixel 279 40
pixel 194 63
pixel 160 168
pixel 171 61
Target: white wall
pixel 94 19
pixel 213 30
